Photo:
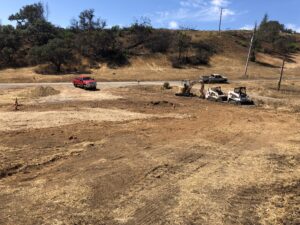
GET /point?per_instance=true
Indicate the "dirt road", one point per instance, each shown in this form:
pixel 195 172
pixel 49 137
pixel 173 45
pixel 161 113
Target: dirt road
pixel 140 155
pixel 101 84
pixel 116 84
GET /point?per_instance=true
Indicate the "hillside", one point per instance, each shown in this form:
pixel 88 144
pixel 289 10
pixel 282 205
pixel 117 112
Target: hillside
pixel 230 60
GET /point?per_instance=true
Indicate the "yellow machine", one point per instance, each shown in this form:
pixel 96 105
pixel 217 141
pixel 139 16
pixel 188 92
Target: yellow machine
pixel 185 89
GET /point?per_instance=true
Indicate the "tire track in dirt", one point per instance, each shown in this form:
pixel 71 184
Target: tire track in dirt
pixel 27 167
pixel 265 204
pixel 151 198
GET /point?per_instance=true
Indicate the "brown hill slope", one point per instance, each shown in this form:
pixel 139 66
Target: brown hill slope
pixel 230 60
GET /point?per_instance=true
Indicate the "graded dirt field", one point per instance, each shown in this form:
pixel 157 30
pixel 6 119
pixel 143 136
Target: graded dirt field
pixel 140 155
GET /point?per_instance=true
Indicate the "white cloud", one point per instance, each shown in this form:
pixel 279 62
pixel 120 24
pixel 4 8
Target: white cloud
pixel 293 27
pixel 197 10
pixel 192 3
pixel 173 25
pixel 220 3
pixel 247 27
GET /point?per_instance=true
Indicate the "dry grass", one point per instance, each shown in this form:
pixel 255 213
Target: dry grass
pixel 267 95
pixel 158 67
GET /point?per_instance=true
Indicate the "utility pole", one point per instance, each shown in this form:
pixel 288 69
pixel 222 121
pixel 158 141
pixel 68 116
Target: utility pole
pixel 249 53
pixel 220 23
pixel 281 73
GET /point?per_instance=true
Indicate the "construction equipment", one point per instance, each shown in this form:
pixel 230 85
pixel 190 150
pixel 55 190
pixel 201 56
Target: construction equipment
pixel 185 89
pixel 215 94
pixel 239 96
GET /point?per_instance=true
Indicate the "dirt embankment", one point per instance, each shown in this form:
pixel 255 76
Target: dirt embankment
pixel 158 67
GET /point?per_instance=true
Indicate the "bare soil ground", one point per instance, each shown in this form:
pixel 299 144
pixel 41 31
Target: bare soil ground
pixel 140 155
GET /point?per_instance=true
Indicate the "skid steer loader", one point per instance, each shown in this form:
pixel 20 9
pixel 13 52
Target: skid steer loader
pixel 215 94
pixel 239 97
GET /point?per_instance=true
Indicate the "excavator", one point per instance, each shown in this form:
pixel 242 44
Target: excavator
pixel 185 89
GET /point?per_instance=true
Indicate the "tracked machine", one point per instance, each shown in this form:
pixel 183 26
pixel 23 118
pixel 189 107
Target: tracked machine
pixel 216 94
pixel 186 88
pixel 239 97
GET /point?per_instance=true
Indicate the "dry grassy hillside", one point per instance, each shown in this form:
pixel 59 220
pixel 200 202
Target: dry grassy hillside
pixel 230 60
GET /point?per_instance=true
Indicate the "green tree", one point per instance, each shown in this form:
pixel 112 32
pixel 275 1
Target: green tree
pixel 282 46
pixel 33 26
pixel 29 14
pixel 264 21
pixel 269 31
pixel 255 45
pixel 10 43
pixel 40 32
pixel 140 31
pixel 88 21
pixel 57 52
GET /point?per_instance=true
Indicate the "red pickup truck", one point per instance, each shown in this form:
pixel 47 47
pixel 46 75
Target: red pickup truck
pixel 85 82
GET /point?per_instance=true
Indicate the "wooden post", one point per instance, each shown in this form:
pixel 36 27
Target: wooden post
pixel 248 58
pixel 202 92
pixel 281 73
pixel 16 105
pixel 220 23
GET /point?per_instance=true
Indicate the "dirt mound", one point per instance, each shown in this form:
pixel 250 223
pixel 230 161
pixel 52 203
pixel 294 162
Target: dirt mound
pixel 162 103
pixel 42 92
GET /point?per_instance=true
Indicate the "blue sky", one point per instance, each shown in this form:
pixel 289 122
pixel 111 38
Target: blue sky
pixel 198 14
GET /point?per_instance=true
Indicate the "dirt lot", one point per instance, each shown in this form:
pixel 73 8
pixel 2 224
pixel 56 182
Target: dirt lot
pixel 140 155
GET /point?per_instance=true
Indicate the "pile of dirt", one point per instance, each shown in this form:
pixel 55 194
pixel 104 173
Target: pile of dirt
pixel 42 92
pixel 161 103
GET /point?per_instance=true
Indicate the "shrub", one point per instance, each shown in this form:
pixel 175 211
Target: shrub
pixel 166 85
pixel 118 58
pixel 202 57
pixel 177 63
pixel 160 41
pixel 141 29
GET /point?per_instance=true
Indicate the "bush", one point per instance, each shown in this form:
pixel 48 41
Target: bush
pixel 207 46
pixel 141 29
pixel 202 57
pixel 118 58
pixel 160 41
pixel 166 85
pixel 294 47
pixel 177 63
pixel 204 51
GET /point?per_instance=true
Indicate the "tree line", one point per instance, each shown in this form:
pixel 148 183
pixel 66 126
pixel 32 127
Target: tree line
pixel 272 37
pixel 36 41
